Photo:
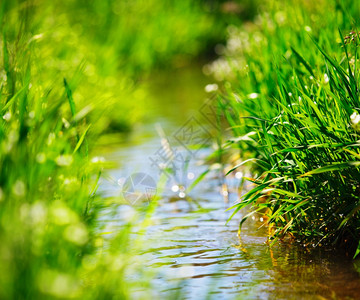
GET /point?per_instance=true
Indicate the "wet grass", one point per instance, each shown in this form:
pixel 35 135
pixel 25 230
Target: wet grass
pixel 291 99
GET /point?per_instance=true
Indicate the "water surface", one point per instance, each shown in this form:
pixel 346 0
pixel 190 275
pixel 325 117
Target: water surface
pixel 193 252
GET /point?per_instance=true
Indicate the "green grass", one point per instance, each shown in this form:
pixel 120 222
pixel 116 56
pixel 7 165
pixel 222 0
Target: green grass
pixel 291 83
pixel 71 71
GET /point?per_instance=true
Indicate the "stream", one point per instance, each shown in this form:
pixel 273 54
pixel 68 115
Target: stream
pixel 190 249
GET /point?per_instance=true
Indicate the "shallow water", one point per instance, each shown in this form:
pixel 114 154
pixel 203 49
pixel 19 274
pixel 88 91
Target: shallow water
pixel 193 253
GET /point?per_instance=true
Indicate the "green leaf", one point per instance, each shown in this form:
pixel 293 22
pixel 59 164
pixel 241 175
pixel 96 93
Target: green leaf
pixel 70 98
pixel 81 139
pixel 303 61
pixel 333 167
pixel 357 251
pixel 244 162
pixel 197 180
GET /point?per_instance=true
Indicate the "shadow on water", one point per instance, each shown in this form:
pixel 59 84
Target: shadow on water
pixel 195 255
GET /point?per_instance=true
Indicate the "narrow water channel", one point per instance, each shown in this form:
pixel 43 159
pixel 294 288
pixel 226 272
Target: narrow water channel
pixel 190 249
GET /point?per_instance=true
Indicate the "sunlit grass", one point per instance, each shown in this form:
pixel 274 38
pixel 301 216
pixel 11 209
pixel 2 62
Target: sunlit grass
pixel 292 85
pixel 70 71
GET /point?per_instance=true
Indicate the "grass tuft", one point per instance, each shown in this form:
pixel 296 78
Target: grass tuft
pixel 297 81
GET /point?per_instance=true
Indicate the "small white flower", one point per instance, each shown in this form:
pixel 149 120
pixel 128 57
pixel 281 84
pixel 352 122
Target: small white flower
pixel 211 88
pixel 7 116
pixel 290 94
pixel 326 78
pixel 253 95
pixel 355 121
pixel 355 118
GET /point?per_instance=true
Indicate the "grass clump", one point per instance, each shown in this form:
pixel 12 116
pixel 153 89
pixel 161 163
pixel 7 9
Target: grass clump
pixel 291 82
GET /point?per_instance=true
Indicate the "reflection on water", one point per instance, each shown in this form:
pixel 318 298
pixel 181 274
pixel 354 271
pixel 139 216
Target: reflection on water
pixel 194 254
